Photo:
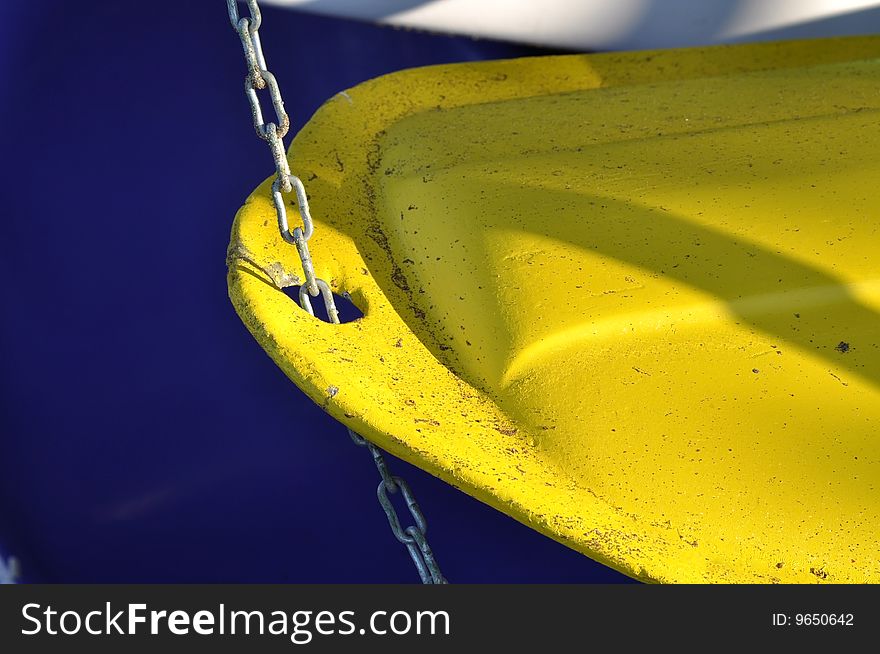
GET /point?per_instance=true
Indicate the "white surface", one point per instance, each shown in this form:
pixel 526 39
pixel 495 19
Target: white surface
pixel 614 24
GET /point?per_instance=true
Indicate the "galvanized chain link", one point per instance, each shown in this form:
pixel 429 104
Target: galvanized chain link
pixel 414 537
pixel 259 78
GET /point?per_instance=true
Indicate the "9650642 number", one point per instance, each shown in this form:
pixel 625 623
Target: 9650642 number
pixel 813 620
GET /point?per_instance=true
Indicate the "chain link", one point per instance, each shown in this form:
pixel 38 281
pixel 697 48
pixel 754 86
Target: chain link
pixel 414 537
pixel 259 78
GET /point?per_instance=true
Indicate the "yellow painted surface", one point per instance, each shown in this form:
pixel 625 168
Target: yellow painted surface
pixel 631 300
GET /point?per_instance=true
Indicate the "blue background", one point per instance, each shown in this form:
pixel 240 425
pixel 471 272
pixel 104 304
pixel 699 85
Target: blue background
pixel 128 386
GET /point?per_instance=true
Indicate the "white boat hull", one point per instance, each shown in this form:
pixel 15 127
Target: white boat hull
pixel 618 24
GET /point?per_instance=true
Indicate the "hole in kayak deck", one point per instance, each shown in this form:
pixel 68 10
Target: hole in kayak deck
pixel 347 310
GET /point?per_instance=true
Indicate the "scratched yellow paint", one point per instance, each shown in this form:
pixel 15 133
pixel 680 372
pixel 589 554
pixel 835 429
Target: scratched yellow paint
pixel 631 300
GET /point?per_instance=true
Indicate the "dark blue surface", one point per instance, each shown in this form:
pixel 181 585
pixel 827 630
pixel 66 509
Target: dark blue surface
pixel 128 445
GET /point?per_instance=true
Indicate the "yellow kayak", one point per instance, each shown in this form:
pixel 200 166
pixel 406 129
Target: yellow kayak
pixel 631 300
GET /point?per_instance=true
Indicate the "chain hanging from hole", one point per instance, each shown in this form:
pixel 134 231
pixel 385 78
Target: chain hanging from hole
pixel 413 537
pixel 260 79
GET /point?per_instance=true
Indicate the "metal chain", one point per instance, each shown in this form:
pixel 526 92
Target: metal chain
pixel 414 537
pixel 259 78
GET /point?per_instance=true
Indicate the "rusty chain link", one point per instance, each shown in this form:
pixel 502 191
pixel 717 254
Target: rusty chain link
pixel 259 78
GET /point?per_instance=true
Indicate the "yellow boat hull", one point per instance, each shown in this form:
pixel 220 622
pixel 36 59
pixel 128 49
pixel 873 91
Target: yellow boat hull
pixel 631 300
